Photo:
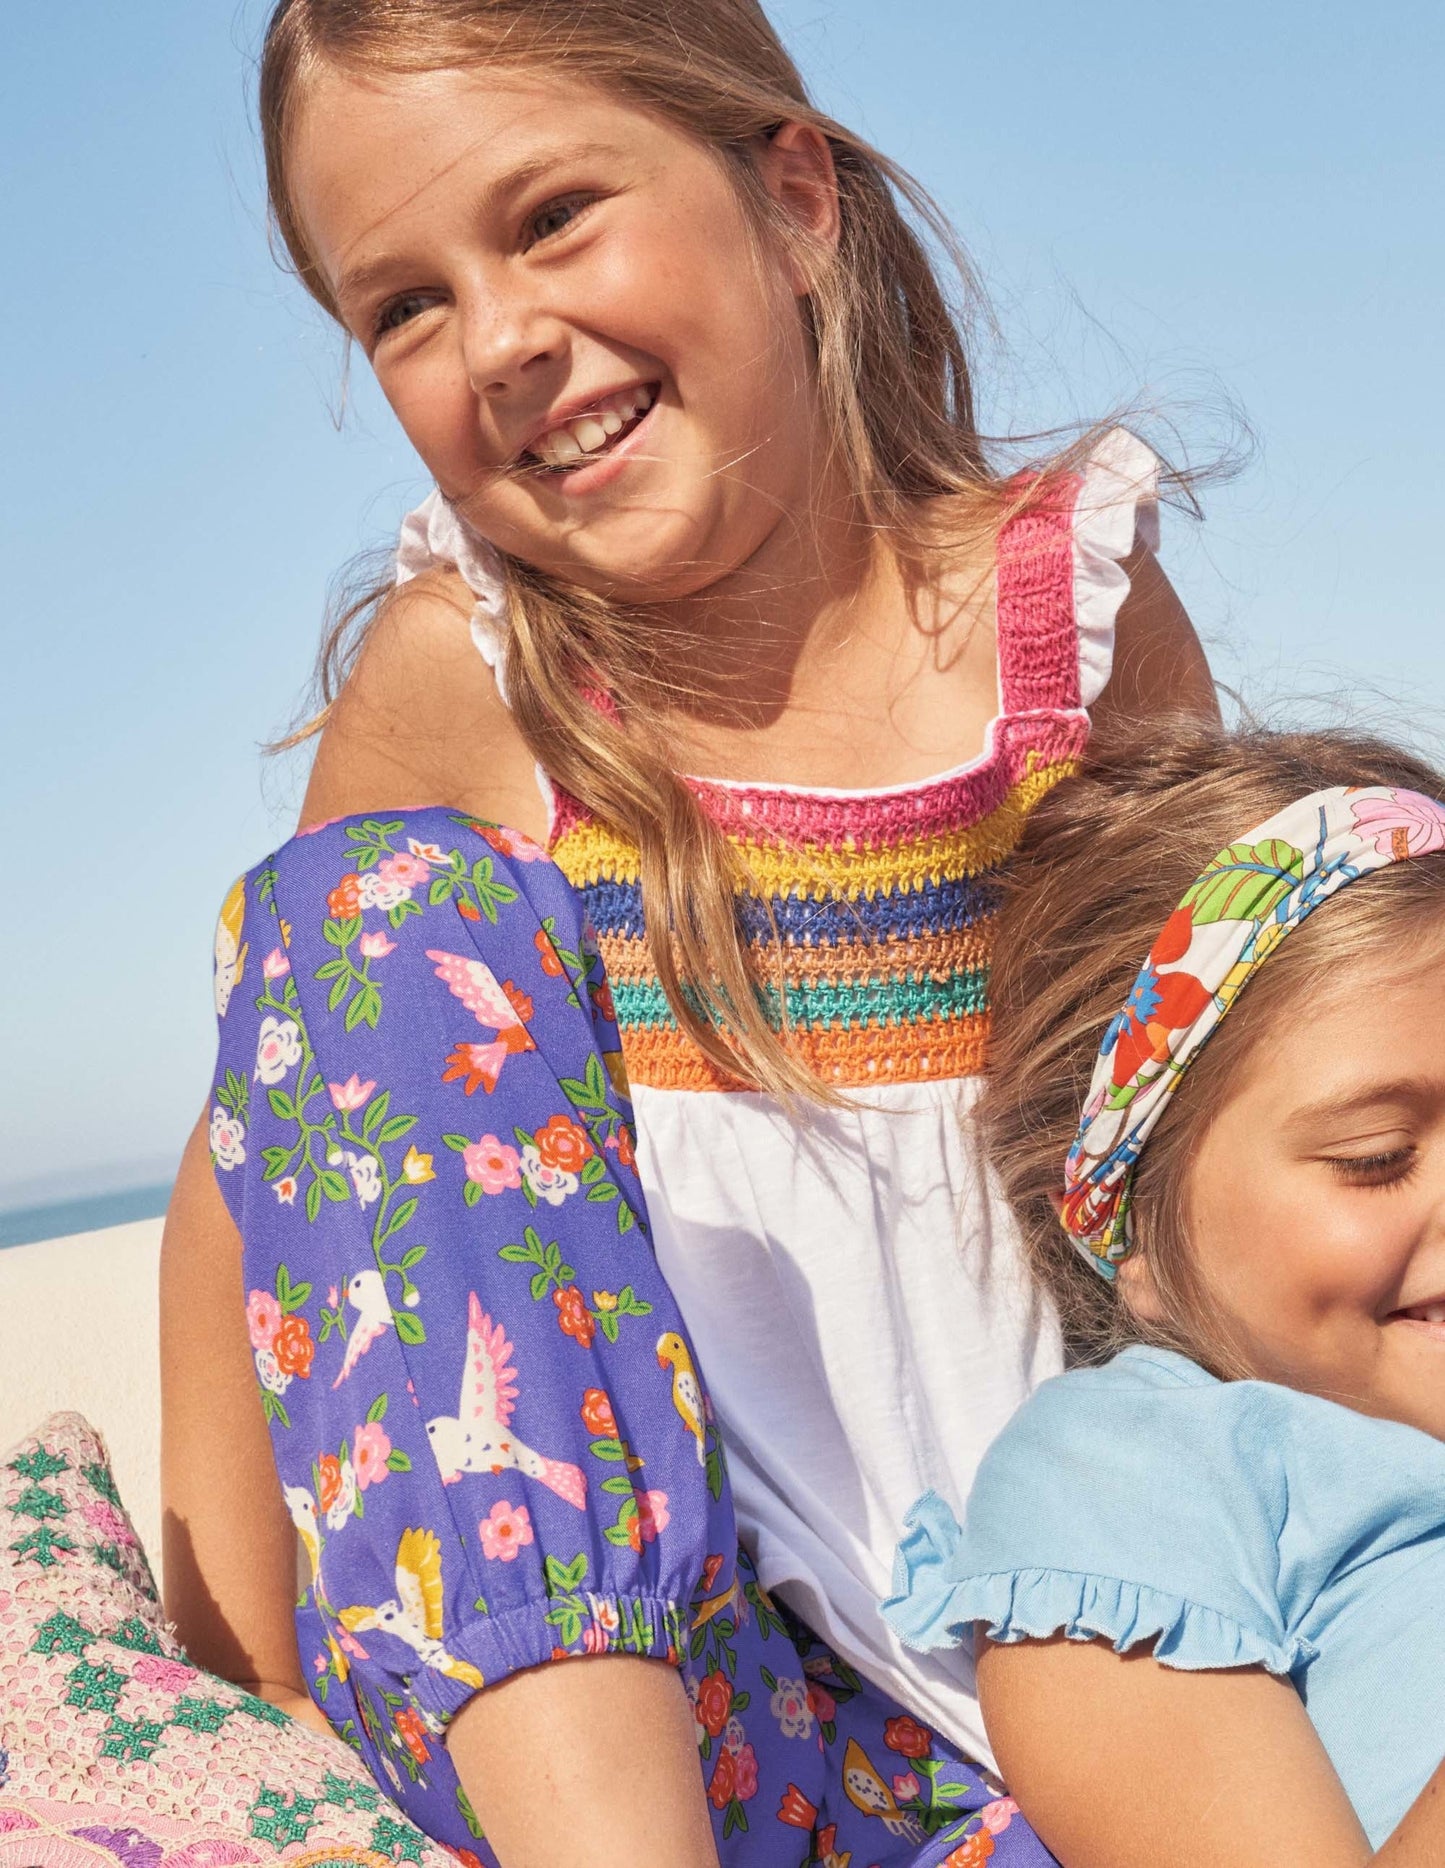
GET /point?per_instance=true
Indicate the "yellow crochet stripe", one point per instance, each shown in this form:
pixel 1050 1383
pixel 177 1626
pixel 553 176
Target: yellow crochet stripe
pixel 591 852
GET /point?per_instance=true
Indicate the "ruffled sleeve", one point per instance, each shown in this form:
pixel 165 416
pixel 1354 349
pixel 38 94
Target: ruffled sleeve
pixel 1117 507
pixel 1141 1504
pixel 434 534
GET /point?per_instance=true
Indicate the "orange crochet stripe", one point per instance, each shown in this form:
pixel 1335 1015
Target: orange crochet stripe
pixel 663 1059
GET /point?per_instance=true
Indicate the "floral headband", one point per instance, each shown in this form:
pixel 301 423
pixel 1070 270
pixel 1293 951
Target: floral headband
pixel 1226 927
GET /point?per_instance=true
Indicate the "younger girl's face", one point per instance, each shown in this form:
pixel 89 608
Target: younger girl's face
pixel 562 302
pixel 1317 1204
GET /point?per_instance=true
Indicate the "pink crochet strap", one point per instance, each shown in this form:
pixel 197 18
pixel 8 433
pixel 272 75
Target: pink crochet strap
pixel 1038 638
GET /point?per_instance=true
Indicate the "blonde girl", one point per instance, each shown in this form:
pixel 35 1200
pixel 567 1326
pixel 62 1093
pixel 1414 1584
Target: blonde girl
pixel 1205 1569
pixel 774 663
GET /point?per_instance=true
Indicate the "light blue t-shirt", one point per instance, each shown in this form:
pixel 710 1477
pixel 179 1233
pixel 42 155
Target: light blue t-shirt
pixel 1228 1524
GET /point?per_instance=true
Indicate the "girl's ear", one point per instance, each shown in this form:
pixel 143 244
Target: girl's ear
pixel 1133 1277
pixel 1138 1289
pixel 796 165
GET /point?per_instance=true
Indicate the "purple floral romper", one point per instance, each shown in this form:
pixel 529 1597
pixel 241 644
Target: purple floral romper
pixel 488 1423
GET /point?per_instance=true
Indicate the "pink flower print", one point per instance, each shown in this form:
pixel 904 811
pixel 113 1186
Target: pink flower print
pixel 333 1296
pixel 370 1449
pixel 906 1787
pixel 493 1164
pixel 407 870
pixel 998 1815
pixel 263 1317
pixel 512 843
pixel 505 1530
pixel 594 1639
pixel 167 1676
pixel 652 1514
pixel 285 1190
pixel 376 946
pixel 428 852
pixel 351 1645
pixel 353 1094
pixel 745 1783
pixel 1403 824
pixel 104 1519
pixel 275 965
pixel 734 1737
pixel 825 1707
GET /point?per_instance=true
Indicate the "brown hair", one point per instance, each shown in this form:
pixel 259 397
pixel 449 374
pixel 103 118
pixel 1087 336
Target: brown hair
pixel 1103 862
pixel 893 379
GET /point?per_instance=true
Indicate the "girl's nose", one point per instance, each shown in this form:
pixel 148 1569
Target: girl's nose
pixel 506 340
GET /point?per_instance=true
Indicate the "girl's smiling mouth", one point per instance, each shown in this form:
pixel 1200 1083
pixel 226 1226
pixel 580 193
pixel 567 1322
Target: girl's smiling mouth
pixel 592 435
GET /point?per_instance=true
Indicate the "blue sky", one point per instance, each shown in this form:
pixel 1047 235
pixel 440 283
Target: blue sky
pixel 1235 201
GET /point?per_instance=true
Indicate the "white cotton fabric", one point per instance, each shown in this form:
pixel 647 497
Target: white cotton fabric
pixel 852 1279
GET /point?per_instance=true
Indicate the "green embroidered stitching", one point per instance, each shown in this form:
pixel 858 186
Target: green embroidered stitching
pixel 131 1740
pixel 279 1819
pixel 398 1841
pixel 200 1715
pixel 61 1634
pixel 133 1634
pixel 350 1796
pixel 99 1476
pixel 41 1545
pixel 41 1464
pixel 95 1687
pixel 36 1502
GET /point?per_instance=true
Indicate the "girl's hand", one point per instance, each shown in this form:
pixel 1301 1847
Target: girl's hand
pixel 1119 1762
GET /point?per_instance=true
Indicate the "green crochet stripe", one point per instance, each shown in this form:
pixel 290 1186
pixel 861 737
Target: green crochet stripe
pixel 878 1002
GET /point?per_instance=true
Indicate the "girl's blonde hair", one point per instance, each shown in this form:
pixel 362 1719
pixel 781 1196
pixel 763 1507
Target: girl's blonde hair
pixel 1103 862
pixel 893 381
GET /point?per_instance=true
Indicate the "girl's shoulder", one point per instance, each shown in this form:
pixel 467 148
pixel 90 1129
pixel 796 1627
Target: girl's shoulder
pixel 1146 1502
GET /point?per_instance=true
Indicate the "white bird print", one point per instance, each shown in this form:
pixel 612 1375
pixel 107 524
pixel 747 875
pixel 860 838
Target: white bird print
pixel 367 1294
pixel 414 1614
pixel 499 1006
pixel 476 1440
pixel 302 1507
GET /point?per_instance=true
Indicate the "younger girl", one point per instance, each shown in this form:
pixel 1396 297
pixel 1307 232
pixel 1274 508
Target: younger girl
pixel 1207 1576
pixel 792 660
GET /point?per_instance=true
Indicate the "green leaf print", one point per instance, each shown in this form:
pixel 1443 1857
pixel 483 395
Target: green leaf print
pixel 409 1327
pixel 1245 882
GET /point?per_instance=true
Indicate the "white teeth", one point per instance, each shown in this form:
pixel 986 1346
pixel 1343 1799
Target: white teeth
pixel 1427 1313
pixel 563 447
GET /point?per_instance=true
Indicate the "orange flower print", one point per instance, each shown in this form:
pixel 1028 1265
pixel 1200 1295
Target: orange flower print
pixel 521 1004
pixel 329 1484
pixel 293 1347
pixel 412 1733
pixel 721 1790
pixel 344 901
pixel 907 1737
pixel 796 1810
pixel 714 1702
pixel 573 1315
pixel 597 1415
pixel 547 954
pixel 564 1144
pixel 467 912
pixel 971 1854
pixel 602 998
pixel 1159 1004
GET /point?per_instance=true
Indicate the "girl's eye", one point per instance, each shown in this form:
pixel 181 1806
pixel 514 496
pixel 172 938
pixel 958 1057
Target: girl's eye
pixel 1382 1170
pixel 554 216
pixel 399 311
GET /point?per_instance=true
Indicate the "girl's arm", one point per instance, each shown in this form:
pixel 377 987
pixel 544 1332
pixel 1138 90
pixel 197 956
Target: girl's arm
pixel 1159 666
pixel 420 721
pixel 1119 1762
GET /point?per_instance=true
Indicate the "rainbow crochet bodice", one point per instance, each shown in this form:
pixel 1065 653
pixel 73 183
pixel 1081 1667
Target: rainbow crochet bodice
pixel 884 900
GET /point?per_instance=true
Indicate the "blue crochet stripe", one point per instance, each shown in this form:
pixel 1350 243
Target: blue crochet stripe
pixel 941 908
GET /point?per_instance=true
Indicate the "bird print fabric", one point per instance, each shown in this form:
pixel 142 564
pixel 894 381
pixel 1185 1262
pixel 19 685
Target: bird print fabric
pixel 489 1427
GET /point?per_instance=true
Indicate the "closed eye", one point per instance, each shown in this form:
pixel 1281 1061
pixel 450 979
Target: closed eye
pixel 1380 1170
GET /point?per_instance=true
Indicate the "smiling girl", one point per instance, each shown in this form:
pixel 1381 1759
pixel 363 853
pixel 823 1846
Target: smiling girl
pixel 1205 1575
pixel 774 663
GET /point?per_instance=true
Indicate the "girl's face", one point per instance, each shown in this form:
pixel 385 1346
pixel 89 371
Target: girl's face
pixel 1317 1202
pixel 563 304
